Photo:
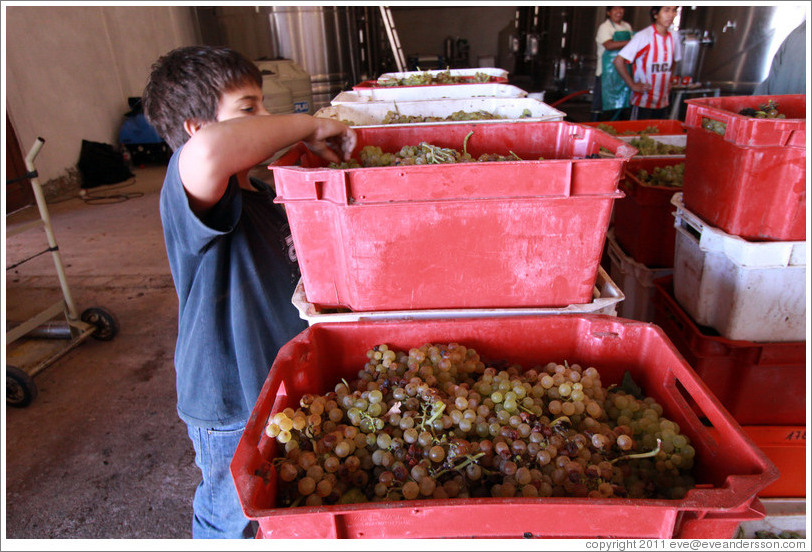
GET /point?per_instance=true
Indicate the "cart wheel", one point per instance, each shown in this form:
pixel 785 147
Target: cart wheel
pixel 106 324
pixel 20 388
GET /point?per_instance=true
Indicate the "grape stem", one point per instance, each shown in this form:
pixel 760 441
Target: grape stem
pixel 465 143
pixel 640 455
pixel 437 409
pixel 468 460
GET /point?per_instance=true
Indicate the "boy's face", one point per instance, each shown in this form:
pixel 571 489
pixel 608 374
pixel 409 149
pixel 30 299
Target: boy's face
pixel 244 101
pixel 666 15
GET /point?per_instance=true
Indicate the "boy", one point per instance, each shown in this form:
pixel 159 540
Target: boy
pixel 229 250
pixel 653 51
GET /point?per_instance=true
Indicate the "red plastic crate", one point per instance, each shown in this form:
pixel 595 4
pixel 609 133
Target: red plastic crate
pixel 759 383
pixel 665 126
pixel 643 220
pixel 465 235
pixel 729 469
pixel 785 446
pixel 751 182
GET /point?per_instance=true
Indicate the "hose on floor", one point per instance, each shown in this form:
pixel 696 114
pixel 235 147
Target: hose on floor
pixel 106 199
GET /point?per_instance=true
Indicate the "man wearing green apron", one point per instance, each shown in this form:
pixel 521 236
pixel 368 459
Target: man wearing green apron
pixel 611 94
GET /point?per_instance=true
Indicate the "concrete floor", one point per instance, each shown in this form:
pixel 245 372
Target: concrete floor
pixel 100 453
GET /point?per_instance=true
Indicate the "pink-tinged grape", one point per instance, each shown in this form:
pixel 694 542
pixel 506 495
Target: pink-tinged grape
pixel 437 453
pixel 324 487
pixel 427 486
pixel 410 490
pixel 624 442
pixel 288 471
pixel 331 464
pixel 306 485
pixel 342 449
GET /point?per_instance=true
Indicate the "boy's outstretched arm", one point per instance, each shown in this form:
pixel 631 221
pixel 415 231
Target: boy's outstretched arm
pixel 218 150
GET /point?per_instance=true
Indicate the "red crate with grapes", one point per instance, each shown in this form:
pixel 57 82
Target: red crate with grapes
pixel 524 231
pixel 357 410
pixel 643 220
pixel 745 168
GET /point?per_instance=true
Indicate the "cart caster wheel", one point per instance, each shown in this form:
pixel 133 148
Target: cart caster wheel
pixel 20 388
pixel 106 324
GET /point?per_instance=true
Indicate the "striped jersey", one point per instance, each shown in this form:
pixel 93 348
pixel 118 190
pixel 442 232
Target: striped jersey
pixel 653 56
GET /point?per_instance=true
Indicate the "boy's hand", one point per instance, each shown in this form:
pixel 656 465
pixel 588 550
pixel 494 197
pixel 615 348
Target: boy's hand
pixel 330 139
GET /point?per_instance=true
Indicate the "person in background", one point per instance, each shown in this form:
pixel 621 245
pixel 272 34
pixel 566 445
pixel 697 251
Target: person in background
pixel 788 69
pixel 653 52
pixel 230 253
pixel 611 94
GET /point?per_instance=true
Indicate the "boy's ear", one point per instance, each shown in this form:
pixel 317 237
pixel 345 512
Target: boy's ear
pixel 191 126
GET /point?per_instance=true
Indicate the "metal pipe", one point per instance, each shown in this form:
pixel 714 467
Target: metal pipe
pixel 51 330
pixel 49 232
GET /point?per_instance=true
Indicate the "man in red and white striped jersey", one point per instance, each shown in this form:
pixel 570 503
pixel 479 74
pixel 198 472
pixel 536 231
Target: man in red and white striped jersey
pixel 653 52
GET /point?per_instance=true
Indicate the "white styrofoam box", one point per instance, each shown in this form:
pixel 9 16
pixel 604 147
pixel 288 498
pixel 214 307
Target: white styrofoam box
pixel 782 514
pixel 434 92
pixel 749 291
pixel 511 109
pixel 670 139
pixel 465 72
pixel 606 297
pixel 635 279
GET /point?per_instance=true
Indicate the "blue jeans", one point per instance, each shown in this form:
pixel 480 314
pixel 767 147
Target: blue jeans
pixel 217 511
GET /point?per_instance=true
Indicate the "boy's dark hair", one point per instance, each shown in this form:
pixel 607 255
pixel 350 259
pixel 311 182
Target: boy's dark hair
pixel 187 84
pixel 653 11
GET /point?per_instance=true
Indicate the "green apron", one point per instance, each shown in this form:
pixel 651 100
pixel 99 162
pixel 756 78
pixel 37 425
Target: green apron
pixel 614 92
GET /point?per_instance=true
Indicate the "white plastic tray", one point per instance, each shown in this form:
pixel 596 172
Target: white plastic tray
pixel 435 92
pixel 606 295
pixel 750 291
pixel 782 514
pixel 510 109
pixel 467 72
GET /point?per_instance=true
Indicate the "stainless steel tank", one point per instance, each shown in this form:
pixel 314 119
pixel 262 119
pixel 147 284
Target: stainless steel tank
pixel 317 38
pixel 740 42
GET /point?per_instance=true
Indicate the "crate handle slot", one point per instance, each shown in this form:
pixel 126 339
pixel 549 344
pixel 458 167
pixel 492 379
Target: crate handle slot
pixel 727 434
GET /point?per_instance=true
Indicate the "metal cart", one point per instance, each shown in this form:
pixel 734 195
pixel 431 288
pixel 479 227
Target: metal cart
pixel 96 321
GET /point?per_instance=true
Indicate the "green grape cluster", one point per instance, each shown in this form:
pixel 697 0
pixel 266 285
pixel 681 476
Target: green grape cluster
pixel 393 117
pixel 648 146
pixel 428 78
pixel 714 126
pixel 671 175
pixel 613 131
pixel 438 422
pixel 421 154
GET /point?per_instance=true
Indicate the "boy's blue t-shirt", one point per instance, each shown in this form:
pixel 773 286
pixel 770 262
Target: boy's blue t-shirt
pixel 235 273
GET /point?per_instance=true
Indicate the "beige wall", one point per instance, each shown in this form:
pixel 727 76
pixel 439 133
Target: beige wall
pixel 69 71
